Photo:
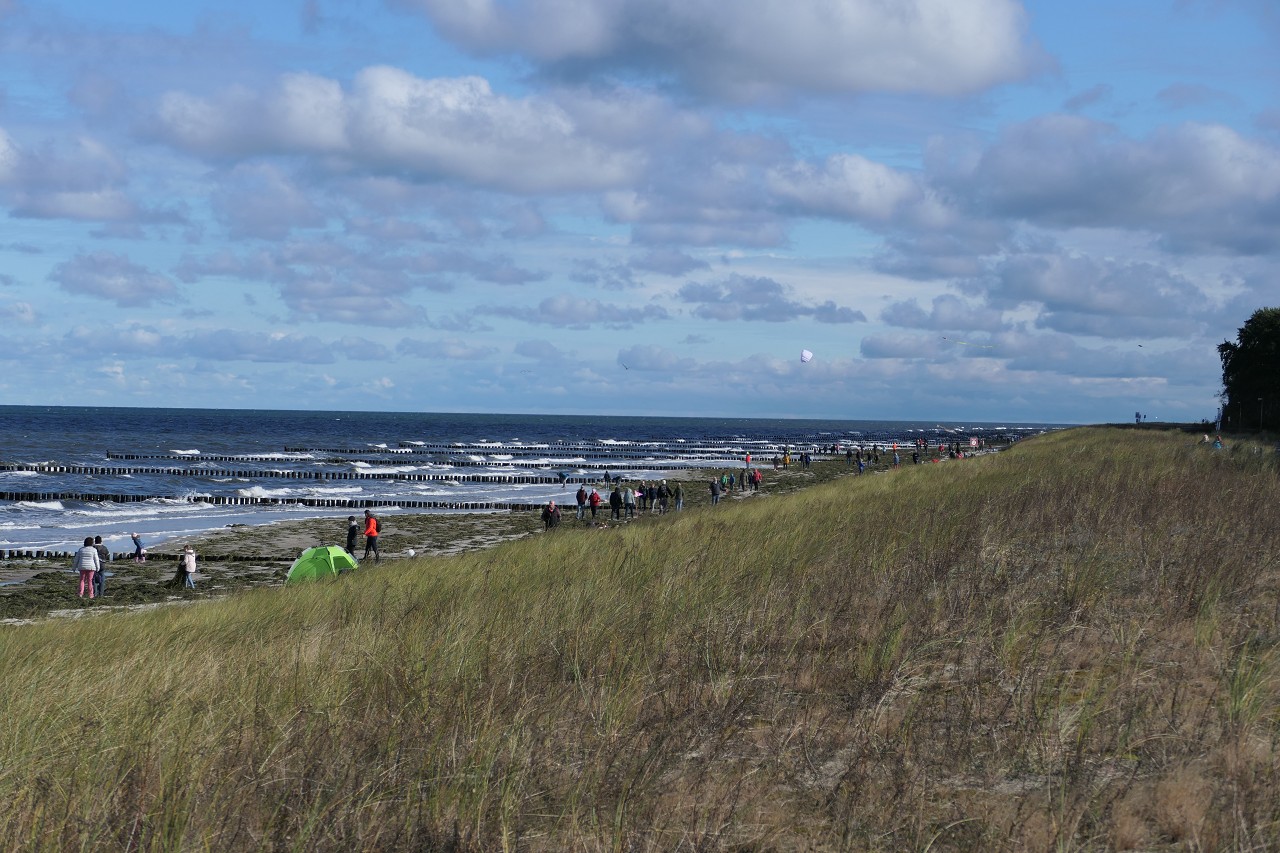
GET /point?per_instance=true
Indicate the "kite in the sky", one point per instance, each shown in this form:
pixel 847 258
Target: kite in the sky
pixel 805 356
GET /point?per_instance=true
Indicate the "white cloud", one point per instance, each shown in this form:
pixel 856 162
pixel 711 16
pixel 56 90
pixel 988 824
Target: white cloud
pixel 391 121
pixel 854 187
pixel 8 158
pixel 107 275
pixel 948 313
pixel 1195 184
pixel 453 349
pixel 739 297
pixel 577 313
pixel 1096 297
pixel 760 48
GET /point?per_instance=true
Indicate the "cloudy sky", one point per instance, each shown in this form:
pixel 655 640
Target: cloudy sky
pixel 994 210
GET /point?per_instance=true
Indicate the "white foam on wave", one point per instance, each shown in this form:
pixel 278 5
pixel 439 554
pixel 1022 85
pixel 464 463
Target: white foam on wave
pixel 366 468
pixel 54 505
pixel 185 452
pixel 309 492
pixel 260 492
pixel 284 457
pixel 7 474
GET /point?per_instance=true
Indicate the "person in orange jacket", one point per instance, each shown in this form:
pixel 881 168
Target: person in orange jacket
pixel 371 530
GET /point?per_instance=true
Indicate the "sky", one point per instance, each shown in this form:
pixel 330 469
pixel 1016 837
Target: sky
pixel 974 210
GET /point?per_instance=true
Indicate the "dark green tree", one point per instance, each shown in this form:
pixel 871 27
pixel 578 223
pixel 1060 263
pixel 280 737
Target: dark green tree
pixel 1251 373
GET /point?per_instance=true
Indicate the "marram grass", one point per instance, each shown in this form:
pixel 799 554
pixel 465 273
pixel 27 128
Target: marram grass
pixel 1071 644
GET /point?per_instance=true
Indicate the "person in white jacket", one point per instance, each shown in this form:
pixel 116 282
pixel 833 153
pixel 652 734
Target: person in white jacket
pixel 189 566
pixel 87 562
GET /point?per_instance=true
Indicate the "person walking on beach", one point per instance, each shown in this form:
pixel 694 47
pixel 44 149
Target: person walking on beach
pixel 581 498
pixel 353 531
pixel 629 501
pixel 550 515
pixel 87 562
pixel 104 557
pixel 371 530
pixel 139 553
pixel 715 492
pixel 185 576
pixel 594 500
pixel 615 504
pixel 678 494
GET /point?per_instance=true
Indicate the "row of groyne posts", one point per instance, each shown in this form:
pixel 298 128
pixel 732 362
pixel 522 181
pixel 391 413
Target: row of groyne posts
pixel 345 503
pixel 152 556
pixel 690 455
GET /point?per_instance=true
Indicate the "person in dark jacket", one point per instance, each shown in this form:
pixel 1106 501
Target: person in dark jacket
pixel 100 576
pixel 615 504
pixel 550 515
pixel 353 533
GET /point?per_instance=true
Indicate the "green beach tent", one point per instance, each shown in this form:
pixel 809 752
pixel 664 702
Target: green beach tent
pixel 325 561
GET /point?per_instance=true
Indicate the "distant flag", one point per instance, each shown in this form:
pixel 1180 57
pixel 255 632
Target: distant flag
pixel 805 356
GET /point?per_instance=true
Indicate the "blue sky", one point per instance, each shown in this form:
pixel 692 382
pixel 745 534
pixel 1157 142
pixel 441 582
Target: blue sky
pixel 967 209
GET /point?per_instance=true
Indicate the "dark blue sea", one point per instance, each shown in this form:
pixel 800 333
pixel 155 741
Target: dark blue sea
pixel 69 472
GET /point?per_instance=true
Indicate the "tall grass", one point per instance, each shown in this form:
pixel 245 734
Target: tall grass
pixel 1070 644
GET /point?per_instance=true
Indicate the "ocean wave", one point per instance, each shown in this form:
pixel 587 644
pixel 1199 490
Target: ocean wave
pixel 185 452
pixel 309 492
pixel 260 492
pixel 283 457
pixel 54 505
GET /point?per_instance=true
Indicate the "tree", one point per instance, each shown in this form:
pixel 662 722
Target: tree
pixel 1251 373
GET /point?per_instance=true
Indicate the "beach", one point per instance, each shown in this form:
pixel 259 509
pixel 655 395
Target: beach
pixel 246 556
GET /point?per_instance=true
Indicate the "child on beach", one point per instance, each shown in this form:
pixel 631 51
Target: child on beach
pixel 186 568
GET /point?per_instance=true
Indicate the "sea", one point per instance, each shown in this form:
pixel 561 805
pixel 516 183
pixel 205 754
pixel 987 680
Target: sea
pixel 165 474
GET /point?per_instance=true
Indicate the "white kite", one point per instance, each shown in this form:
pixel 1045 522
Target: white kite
pixel 805 356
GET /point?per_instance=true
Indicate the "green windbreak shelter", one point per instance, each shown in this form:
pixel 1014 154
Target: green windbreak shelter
pixel 325 561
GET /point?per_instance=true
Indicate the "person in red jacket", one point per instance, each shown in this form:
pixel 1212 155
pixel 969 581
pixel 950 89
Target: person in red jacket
pixel 371 530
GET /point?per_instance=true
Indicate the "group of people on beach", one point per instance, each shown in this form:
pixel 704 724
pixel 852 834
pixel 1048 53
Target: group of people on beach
pixel 90 562
pixel 656 497
pixel 623 500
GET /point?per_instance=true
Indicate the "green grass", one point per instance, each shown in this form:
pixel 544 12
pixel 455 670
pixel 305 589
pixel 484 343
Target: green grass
pixel 1070 644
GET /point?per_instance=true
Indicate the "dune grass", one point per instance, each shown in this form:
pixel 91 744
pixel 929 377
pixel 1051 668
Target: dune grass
pixel 1072 644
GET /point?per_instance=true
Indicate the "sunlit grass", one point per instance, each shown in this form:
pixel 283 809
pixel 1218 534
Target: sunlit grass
pixel 1071 643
